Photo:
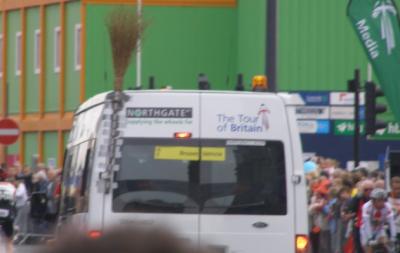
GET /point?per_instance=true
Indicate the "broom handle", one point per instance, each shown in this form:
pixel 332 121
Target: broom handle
pixel 139 47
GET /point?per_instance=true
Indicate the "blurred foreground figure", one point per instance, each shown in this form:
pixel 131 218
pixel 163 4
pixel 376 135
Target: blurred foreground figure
pixel 124 240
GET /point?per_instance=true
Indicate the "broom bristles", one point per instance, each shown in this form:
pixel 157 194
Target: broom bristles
pixel 124 28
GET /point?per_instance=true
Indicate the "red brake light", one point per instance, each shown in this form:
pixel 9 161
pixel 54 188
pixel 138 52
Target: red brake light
pixel 183 135
pixel 94 234
pixel 301 243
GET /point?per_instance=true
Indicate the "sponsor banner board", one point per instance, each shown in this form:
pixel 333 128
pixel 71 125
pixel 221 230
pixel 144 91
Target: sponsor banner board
pixel 314 126
pixel 391 132
pixel 312 112
pixel 345 112
pixel 315 98
pixel 345 98
pixel 346 127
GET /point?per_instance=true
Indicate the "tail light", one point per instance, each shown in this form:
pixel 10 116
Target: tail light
pixel 183 135
pixel 302 242
pixel 94 234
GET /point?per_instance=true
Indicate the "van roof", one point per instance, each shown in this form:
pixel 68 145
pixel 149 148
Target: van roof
pixel 288 99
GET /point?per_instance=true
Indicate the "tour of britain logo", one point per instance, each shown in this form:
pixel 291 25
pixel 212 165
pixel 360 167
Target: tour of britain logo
pixel 159 112
pixel 263 114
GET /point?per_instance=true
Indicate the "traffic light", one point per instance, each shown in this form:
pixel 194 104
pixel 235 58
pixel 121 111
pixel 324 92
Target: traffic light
pixel 372 109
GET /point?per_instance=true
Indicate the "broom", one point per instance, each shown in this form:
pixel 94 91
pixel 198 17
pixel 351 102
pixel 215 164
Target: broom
pixel 124 28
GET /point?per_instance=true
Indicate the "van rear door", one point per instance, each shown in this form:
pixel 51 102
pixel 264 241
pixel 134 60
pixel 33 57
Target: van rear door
pixel 156 183
pixel 246 166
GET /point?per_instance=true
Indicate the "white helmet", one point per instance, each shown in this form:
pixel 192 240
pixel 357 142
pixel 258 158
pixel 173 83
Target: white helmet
pixel 378 194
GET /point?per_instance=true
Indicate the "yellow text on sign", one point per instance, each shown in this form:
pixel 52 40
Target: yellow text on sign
pixel 189 153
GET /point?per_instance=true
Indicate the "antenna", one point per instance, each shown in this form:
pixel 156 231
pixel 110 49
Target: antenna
pixel 239 84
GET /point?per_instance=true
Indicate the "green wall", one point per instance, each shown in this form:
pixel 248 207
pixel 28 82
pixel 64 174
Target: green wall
pixel 52 78
pixel 251 38
pixel 179 44
pixel 72 77
pixel 32 78
pixel 317 47
pixel 13 149
pixel 31 146
pixel 319 50
pixel 50 146
pixel 13 81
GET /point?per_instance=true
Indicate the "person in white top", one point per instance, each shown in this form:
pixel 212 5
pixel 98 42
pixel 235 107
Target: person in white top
pixel 21 195
pixel 376 214
pixel 7 212
pixel 21 203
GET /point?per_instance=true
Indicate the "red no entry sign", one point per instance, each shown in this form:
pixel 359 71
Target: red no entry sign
pixel 9 131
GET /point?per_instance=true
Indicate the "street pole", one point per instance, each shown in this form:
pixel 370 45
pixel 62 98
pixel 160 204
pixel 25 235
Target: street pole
pixel 356 144
pixel 271 41
pixel 139 47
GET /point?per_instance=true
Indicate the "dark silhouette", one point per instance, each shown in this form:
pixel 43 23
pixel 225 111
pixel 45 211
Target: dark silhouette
pixel 124 240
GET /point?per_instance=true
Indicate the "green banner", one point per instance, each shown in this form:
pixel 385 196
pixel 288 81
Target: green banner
pixel 377 25
pixel 391 132
pixel 346 127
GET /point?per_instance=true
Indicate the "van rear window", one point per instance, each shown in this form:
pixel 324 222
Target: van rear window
pixel 201 176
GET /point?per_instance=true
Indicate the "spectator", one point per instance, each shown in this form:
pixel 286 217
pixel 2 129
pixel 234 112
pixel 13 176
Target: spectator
pixel 355 208
pixel 26 176
pixel 362 172
pixel 52 198
pixel 320 228
pixel 3 173
pixel 343 196
pixel 379 183
pixel 337 183
pixel 330 166
pixel 21 197
pixel 356 179
pixel 374 175
pixel 394 200
pixel 347 180
pixel 12 172
pixel 310 167
pixel 333 217
pixel 39 182
pixel 337 174
pixel 41 170
pixel 39 202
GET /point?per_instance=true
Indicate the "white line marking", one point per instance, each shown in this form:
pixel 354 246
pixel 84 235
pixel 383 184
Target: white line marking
pixel 9 132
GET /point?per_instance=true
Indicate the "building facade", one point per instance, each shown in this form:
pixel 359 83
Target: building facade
pixel 56 53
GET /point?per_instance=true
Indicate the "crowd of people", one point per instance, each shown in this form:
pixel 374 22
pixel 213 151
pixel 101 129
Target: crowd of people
pixel 348 209
pixel 28 200
pixel 351 211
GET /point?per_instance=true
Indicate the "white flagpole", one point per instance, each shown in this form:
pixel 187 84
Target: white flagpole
pixel 139 47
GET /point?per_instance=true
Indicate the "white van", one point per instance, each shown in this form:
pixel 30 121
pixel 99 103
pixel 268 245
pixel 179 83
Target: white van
pixel 220 168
